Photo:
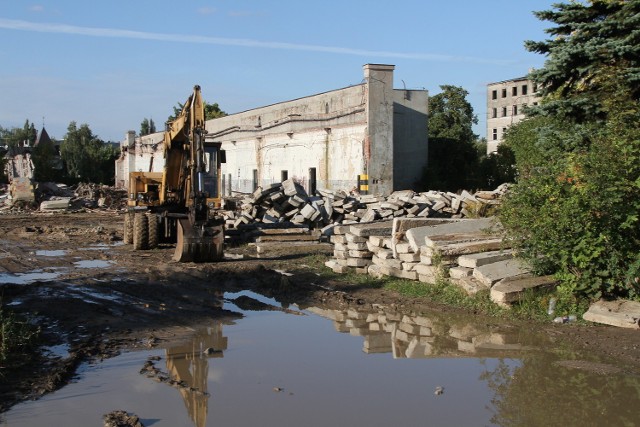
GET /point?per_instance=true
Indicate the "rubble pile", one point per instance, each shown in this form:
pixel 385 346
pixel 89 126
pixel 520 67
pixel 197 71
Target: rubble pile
pixel 471 253
pixel 288 202
pixel 56 196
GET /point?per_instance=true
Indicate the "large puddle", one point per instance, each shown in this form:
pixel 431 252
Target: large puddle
pixel 317 367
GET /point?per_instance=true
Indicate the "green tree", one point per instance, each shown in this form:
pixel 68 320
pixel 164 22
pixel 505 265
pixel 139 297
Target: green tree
pixel 576 206
pixel 43 156
pixel 147 127
pixel 15 137
pixel 211 111
pixel 453 155
pixel 592 45
pixel 451 116
pixel 86 157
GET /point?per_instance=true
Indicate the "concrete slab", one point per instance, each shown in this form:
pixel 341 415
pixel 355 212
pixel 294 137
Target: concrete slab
pixel 469 284
pixel 510 290
pixel 484 258
pixel 621 313
pixel 445 239
pixel 456 249
pixel 489 274
pixel 416 236
pixel 382 228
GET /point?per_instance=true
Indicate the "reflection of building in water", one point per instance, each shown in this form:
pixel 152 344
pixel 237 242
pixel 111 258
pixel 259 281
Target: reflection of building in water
pixel 189 363
pixel 409 336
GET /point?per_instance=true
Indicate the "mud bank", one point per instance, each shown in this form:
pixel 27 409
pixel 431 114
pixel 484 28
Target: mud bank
pixel 94 297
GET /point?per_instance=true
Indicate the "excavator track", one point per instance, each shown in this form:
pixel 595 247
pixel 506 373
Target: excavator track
pixel 199 243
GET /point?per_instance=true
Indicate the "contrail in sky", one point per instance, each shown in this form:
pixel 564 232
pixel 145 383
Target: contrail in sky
pixel 13 24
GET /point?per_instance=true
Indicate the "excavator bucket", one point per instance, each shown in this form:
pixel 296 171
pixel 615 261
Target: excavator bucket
pixel 199 243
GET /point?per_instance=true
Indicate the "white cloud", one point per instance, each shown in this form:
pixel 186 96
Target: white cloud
pixel 206 10
pixel 12 24
pixel 36 8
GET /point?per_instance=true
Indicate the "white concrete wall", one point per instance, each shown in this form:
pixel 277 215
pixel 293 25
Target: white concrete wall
pixel 341 133
pixel 139 154
pixel 324 131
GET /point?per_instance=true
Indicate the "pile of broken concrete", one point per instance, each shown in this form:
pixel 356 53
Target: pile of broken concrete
pixel 470 253
pixel 288 202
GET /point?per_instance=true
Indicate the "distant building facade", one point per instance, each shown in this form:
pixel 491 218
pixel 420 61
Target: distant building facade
pixel 506 101
pixel 326 140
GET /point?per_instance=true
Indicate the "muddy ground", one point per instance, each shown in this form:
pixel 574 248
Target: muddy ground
pixel 106 298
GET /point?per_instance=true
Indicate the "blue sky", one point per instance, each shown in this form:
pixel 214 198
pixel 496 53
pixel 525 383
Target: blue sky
pixel 112 64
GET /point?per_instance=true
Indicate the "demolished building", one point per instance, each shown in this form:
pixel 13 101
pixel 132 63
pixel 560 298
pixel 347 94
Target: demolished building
pixel 370 137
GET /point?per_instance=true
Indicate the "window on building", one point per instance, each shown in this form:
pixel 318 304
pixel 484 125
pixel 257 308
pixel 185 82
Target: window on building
pixel 255 179
pixel 495 134
pixel 524 89
pixel 494 113
pixel 535 87
pixel 504 111
pixel 515 110
pixel 514 91
pixel 494 94
pixel 504 92
pixel 284 175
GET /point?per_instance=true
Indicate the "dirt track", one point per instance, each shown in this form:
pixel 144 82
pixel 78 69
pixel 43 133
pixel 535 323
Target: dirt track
pixel 105 297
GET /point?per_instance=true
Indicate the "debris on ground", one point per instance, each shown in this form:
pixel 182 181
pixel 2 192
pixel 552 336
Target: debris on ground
pixel 121 419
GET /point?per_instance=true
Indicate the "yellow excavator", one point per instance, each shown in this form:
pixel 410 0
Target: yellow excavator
pixel 181 205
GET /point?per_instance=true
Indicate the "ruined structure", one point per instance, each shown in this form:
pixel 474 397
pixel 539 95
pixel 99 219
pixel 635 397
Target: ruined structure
pixel 367 134
pixel 506 101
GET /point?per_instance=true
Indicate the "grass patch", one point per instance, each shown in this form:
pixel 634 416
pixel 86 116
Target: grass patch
pixel 18 339
pixel 533 306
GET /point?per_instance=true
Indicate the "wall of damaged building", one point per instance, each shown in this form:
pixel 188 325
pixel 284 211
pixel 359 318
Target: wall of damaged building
pixel 410 142
pixel 323 132
pixel 366 129
pixel 139 154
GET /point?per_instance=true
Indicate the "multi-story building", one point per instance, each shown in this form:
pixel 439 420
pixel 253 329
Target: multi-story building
pixel 506 101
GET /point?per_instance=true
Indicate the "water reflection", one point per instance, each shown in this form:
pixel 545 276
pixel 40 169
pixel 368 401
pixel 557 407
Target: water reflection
pixel 548 385
pixel 420 336
pixel 189 364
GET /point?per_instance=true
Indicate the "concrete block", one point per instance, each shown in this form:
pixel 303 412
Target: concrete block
pixel 483 258
pixel 357 246
pixel 376 240
pixel 456 249
pixel 336 267
pixel 469 284
pixel 352 238
pixel 460 272
pixel 452 238
pixel 358 262
pixel 489 274
pixel 382 228
pixel 342 239
pixel 409 266
pixel 395 272
pixel 389 262
pixel 341 254
pixel 510 290
pixel 409 257
pixel 621 313
pixel 360 254
pixel 307 211
pixel 385 254
pixel 403 248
